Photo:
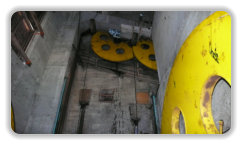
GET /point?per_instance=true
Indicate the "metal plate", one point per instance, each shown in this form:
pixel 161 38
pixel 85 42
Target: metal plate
pixel 106 95
pixel 142 98
pixel 85 95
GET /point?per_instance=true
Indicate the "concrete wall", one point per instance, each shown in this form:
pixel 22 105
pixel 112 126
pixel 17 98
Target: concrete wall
pixel 112 117
pixel 105 22
pixel 35 90
pixel 169 31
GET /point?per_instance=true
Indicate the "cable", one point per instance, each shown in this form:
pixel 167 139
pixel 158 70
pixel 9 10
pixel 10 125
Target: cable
pixel 136 120
pixel 135 89
pixel 83 106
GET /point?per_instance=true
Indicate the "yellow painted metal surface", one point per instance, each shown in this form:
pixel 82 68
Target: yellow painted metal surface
pixel 111 53
pixel 204 58
pixel 142 54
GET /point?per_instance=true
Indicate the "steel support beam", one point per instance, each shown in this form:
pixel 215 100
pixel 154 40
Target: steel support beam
pixel 17 47
pixel 37 23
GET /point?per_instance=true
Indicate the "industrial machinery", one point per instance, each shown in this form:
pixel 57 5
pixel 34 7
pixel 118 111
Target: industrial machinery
pixel 204 59
pixel 144 52
pixel 106 48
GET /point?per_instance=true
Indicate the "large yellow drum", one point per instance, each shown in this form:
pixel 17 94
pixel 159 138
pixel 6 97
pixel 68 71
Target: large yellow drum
pixel 204 59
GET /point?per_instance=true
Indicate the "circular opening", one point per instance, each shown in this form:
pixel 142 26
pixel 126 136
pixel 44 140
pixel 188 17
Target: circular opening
pixel 181 124
pixel 119 50
pixel 152 57
pixel 221 104
pixel 105 47
pixel 145 46
pixel 116 41
pixel 103 37
pixel 177 122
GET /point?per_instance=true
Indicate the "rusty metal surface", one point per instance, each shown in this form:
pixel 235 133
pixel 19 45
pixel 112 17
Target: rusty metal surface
pixel 204 59
pixel 142 98
pixel 37 22
pixel 85 95
pixel 19 49
pixel 106 95
pixel 21 29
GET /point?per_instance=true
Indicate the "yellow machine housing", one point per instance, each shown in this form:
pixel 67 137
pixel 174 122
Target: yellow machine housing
pixel 204 59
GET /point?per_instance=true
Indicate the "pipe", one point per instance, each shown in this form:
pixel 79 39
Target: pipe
pixel 59 105
pixel 93 26
pixel 83 108
pixel 221 123
pixel 155 113
pixel 62 106
pixel 136 122
pixel 136 130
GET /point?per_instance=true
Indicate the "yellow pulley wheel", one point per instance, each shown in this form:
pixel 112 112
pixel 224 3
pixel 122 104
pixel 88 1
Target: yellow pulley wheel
pixel 104 47
pixel 144 52
pixel 204 59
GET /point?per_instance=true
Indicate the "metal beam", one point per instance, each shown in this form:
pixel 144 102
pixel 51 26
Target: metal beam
pixel 37 23
pixel 19 49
